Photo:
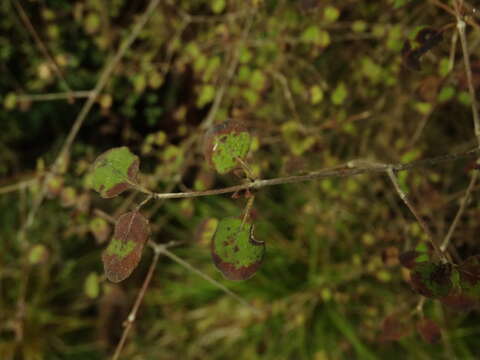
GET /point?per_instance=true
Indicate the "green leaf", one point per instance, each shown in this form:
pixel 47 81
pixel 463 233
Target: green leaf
pixel 207 94
pixel 331 14
pixel 114 172
pixel 316 94
pixel 218 6
pixel 340 94
pixel 124 252
pixel 234 250
pixel 224 144
pixel 37 254
pixel 92 285
pixel 100 229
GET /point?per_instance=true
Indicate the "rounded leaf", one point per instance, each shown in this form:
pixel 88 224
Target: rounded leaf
pixel 114 172
pixel 124 252
pixel 100 229
pixel 224 144
pixel 234 250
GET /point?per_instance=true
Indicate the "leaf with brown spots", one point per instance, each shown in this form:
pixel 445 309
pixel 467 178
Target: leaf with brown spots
pixel 235 252
pixel 224 144
pixel 124 252
pixel 114 172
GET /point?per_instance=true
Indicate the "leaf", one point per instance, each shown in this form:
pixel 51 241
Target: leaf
pixel 100 229
pixel 429 331
pixel 114 172
pixel 218 6
pixel 224 143
pixel 394 327
pixel 38 254
pixel 124 252
pixel 458 301
pixel 340 94
pixel 432 280
pixel 234 250
pixel 68 197
pixel 92 285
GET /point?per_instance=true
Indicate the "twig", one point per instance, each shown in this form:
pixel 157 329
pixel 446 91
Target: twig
pixel 426 229
pixel 343 171
pixel 168 253
pixel 17 186
pixel 53 96
pixel 476 124
pixel 461 210
pixel 468 71
pixel 138 301
pixel 229 75
pixel 43 49
pixel 102 81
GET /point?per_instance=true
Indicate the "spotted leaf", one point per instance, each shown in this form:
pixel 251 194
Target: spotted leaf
pixel 235 252
pixel 114 172
pixel 124 252
pixel 224 144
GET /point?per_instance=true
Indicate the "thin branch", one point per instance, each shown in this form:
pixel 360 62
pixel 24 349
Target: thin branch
pixel 17 186
pixel 426 229
pixel 102 81
pixel 138 301
pixel 53 96
pixel 43 49
pixel 468 71
pixel 342 171
pixel 461 210
pixel 476 124
pixel 168 253
pixel 229 75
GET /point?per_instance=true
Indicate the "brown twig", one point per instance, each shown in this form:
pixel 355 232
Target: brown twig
pixel 102 81
pixel 138 301
pixel 476 124
pixel 43 49
pixel 180 261
pixel 53 96
pixel 461 210
pixel 342 171
pixel 423 224
pixel 229 74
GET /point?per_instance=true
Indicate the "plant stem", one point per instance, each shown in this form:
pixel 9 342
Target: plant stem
pixel 344 171
pixel 214 282
pixel 476 124
pixel 138 301
pixel 415 213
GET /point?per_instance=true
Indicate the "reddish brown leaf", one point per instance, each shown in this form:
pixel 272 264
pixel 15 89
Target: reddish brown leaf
pixel 459 302
pixel 124 252
pixel 429 331
pixel 394 327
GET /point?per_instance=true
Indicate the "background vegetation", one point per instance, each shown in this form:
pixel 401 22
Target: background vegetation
pixel 318 83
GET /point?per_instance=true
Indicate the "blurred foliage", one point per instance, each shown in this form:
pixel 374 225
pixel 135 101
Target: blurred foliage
pixel 319 83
